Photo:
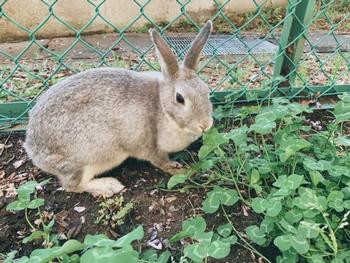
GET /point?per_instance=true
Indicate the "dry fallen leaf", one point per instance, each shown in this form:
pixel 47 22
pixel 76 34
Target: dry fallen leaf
pixel 170 199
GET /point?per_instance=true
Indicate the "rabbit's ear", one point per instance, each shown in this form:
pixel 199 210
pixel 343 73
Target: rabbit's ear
pixel 192 56
pixel 166 57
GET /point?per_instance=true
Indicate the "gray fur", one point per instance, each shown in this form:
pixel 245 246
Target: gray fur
pixel 94 120
pixel 192 57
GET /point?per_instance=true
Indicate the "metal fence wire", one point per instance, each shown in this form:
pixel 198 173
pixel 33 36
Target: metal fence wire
pixel 301 51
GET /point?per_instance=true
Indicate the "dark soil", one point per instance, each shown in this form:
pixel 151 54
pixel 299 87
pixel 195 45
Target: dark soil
pixel 153 206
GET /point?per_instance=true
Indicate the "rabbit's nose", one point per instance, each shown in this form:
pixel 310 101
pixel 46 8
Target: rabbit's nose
pixel 207 125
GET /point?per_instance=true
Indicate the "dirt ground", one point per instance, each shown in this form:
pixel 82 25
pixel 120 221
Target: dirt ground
pixel 152 206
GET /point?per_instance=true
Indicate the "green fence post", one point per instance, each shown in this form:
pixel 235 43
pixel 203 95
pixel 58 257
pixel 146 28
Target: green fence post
pixel 291 46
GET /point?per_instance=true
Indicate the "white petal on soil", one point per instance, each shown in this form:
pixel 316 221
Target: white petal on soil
pixel 18 163
pixel 79 209
pixel 156 244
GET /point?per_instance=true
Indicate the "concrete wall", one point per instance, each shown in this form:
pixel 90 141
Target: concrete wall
pixel 77 13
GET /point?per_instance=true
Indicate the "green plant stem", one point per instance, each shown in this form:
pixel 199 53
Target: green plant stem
pixel 267 155
pixel 332 235
pixel 294 164
pixel 241 162
pixel 330 135
pixel 27 219
pixel 235 181
pixel 247 245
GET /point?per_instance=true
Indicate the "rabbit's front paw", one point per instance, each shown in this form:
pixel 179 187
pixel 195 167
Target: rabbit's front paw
pixel 173 167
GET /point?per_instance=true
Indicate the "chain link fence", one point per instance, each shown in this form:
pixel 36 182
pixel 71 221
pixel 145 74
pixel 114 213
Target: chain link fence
pixel 299 52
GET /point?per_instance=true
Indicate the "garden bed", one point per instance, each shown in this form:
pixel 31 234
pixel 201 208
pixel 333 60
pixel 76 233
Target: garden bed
pixel 153 207
pixel 267 184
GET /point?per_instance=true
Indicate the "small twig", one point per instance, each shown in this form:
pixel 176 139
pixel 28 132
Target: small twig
pixel 6 141
pixel 247 245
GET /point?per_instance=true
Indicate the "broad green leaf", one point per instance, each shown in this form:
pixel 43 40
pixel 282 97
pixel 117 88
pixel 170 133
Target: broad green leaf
pixel 267 224
pixel 288 256
pixel 196 252
pixel 291 182
pixel 179 236
pixel 347 204
pixel 342 141
pixel 239 136
pixel 297 108
pixel 34 235
pixel 48 227
pixel 107 255
pixel 100 254
pixel 194 225
pixel 317 259
pixel 150 255
pixel 206 164
pixel 316 177
pixel 283 242
pixel 176 179
pixel 335 200
pixel 287 226
pixel 10 256
pixel 263 126
pixel 46 255
pixel 300 244
pixel 261 164
pixel 346 98
pixel 17 205
pixel 211 140
pixel 219 196
pixel 294 181
pixel 294 215
pixel 204 151
pixel 338 170
pixel 37 202
pixel 259 205
pixel 231 239
pixel 214 138
pixel 211 203
pixel 308 229
pixel 268 115
pixel 225 230
pixel 311 164
pixel 99 240
pixel 24 191
pixel 309 200
pixel 228 197
pixel 281 181
pixel 291 146
pixel 204 237
pixel 256 235
pixel 136 234
pixel 164 257
pixel 219 249
pixel 280 111
pixel 342 111
pixel 254 177
pixel 274 207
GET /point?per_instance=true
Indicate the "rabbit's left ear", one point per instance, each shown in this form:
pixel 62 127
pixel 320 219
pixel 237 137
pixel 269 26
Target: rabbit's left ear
pixel 166 57
pixel 192 56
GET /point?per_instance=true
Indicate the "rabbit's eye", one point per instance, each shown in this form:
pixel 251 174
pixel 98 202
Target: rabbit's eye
pixel 180 98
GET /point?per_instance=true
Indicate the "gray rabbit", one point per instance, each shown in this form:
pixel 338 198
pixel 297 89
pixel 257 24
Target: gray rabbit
pixel 91 122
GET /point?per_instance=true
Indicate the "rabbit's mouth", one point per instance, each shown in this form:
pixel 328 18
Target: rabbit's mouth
pixel 195 132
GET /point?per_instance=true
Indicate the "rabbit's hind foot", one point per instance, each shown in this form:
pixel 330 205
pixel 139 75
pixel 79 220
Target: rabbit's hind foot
pixel 83 181
pixel 105 187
